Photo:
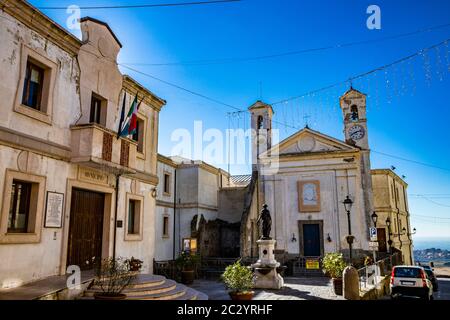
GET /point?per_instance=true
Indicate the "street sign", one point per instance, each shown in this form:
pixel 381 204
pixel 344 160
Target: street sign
pixel 373 245
pixel 373 234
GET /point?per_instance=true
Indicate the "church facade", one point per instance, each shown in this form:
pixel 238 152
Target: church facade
pixel 305 180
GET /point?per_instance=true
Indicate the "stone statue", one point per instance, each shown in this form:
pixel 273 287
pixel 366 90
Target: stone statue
pixel 266 220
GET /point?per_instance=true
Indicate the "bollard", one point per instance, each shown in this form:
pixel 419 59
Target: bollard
pixel 351 283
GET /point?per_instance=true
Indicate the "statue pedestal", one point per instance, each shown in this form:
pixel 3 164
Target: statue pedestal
pixel 266 275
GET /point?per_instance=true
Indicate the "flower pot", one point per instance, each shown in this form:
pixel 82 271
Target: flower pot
pixel 337 286
pixel 187 277
pixel 105 296
pixel 247 295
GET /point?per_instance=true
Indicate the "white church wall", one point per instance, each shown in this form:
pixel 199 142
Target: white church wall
pixel 337 179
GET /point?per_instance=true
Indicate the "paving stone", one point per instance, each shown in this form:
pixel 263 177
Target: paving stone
pixel 295 289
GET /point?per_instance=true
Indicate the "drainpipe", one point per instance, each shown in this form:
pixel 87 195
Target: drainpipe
pixel 115 214
pixel 174 211
pixel 397 213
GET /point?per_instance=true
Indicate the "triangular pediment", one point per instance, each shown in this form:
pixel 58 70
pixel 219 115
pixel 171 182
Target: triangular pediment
pixel 307 141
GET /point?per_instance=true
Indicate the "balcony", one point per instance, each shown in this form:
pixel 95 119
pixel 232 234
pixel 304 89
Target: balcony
pixel 97 147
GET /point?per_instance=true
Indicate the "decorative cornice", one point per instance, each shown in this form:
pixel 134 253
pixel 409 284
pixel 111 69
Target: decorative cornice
pixel 24 141
pixel 34 19
pixel 390 173
pixel 314 155
pixel 152 100
pixel 167 161
pixel 145 177
pixel 166 204
pixel 196 205
pixel 103 24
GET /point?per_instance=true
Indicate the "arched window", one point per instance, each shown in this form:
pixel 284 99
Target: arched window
pixel 354 112
pixel 260 122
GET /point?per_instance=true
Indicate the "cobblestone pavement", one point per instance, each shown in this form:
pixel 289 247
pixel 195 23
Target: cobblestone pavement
pixel 295 289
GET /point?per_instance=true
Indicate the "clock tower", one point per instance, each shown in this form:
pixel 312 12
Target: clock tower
pixel 353 105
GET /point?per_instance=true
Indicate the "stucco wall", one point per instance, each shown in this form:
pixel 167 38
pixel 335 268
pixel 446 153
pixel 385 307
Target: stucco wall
pixel 26 262
pixel 231 204
pixel 142 249
pixel 14 38
pixel 75 78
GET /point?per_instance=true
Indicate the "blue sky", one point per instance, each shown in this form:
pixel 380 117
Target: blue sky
pixel 408 118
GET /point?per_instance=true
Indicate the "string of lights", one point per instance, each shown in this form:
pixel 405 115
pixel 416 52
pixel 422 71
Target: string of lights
pixel 350 80
pixel 136 6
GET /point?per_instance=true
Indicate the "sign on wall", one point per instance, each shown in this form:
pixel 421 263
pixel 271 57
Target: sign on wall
pixel 309 196
pixel 54 210
pixel 312 264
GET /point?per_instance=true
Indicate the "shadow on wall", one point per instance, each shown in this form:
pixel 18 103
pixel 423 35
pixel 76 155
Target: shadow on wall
pixel 216 238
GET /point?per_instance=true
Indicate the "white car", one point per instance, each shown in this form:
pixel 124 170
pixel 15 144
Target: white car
pixel 410 281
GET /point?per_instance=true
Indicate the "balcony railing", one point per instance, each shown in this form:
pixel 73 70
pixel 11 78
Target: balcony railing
pixel 98 147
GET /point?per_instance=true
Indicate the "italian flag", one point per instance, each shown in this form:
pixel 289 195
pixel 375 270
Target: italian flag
pixel 128 126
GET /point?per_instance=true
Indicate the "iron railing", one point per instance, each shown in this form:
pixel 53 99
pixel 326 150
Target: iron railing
pixel 369 275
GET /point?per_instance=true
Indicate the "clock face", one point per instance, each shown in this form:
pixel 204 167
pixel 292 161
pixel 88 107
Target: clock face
pixel 356 132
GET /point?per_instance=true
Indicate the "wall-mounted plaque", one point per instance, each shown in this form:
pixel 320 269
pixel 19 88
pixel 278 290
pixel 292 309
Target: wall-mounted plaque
pixel 54 210
pixel 309 196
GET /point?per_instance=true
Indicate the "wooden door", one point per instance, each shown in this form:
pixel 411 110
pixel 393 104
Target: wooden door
pixel 86 228
pixel 311 240
pixel 381 235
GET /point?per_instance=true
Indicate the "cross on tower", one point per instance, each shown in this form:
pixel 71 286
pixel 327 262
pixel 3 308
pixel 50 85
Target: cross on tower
pixel 306 117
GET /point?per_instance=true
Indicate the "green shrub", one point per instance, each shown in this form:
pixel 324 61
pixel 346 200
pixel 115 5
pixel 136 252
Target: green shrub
pixel 334 264
pixel 238 278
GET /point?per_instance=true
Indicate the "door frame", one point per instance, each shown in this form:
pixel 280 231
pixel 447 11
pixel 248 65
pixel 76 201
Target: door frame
pixel 380 231
pixel 301 223
pixel 108 221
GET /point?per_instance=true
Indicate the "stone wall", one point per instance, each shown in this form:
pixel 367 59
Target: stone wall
pixel 218 238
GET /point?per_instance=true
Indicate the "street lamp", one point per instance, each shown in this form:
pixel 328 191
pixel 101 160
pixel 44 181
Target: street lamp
pixel 348 206
pixel 388 224
pixel 414 232
pixel 374 217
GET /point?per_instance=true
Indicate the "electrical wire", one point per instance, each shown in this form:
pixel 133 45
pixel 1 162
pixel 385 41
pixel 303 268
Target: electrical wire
pixel 136 6
pixel 418 215
pixel 364 74
pixel 179 87
pixel 289 53
pixel 409 160
pixel 434 202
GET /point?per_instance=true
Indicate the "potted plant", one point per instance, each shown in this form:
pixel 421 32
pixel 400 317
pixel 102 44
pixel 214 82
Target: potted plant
pixel 187 262
pixel 134 264
pixel 239 281
pixel 112 276
pixel 334 265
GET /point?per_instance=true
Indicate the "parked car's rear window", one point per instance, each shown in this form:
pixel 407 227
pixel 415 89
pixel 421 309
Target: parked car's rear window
pixel 407 273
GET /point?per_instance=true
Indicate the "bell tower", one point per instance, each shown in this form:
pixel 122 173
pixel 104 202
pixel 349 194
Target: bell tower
pixel 353 105
pixel 261 124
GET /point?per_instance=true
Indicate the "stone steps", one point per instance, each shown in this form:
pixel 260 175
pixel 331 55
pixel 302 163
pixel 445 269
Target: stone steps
pixel 165 286
pixel 153 287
